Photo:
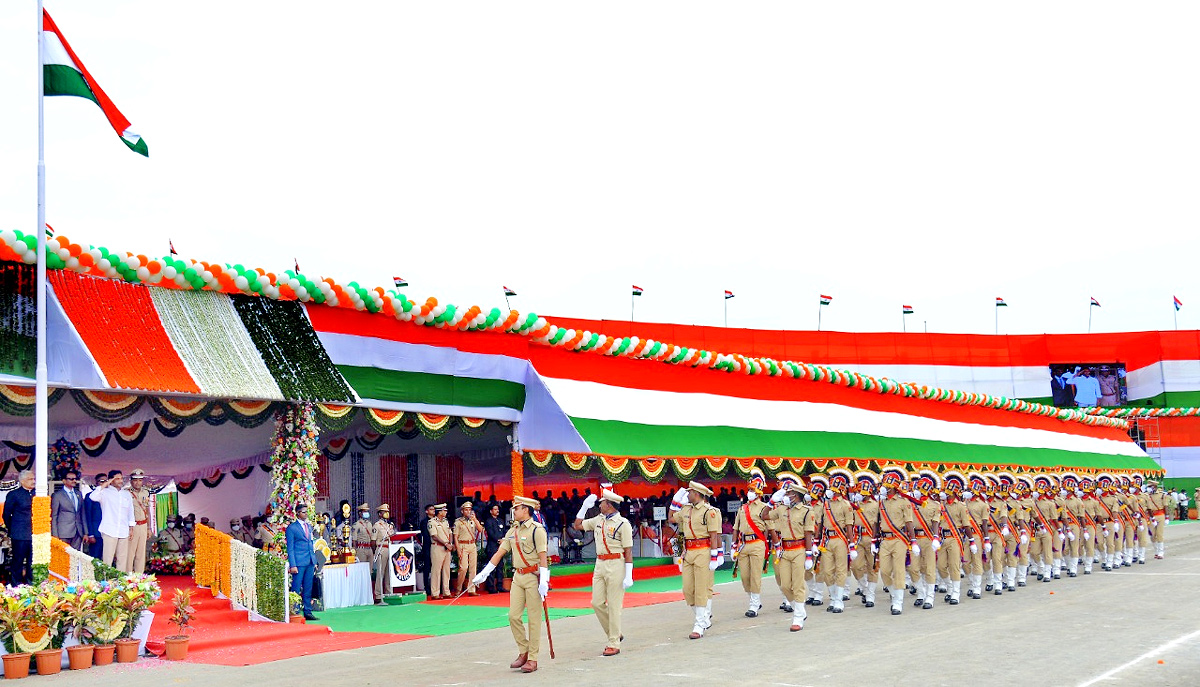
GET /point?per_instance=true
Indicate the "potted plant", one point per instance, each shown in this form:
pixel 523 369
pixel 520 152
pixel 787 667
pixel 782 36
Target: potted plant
pixel 296 604
pixel 181 618
pixel 14 620
pixel 135 595
pixel 47 612
pixel 81 623
pixel 109 623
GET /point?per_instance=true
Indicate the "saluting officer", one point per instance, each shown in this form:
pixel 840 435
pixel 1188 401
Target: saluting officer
pixel 614 563
pixel 526 539
pixel 701 527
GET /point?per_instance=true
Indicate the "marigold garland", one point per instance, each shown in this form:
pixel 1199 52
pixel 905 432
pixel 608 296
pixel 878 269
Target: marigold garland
pixel 60 560
pixel 41 516
pixel 518 474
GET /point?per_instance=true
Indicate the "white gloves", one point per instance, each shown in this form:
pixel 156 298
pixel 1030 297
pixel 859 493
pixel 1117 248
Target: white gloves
pixel 1087 536
pixel 1071 535
pixel 937 544
pixel 1004 531
pixel 1062 537
pixel 1024 538
pixel 679 500
pixel 1116 527
pixel 544 582
pixel 853 554
pixel 628 582
pixel 874 547
pixel 974 548
pixel 716 558
pixel 487 570
pixel 808 561
pixel 916 550
pixel 815 551
pixel 587 503
pixel 987 547
pixel 777 497
pixel 751 495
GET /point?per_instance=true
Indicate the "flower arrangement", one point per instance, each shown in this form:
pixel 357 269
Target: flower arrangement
pixel 48 609
pixel 135 594
pixel 294 464
pixel 171 564
pixel 64 457
pixel 182 612
pixel 271 586
pixel 243 576
pixel 79 614
pixel 296 602
pixel 16 619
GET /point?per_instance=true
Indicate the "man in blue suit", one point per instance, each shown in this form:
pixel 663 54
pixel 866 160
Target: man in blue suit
pixel 301 562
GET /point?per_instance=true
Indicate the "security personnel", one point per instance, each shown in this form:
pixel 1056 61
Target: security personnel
pixel 381 541
pixel 1047 519
pixel 1073 512
pixel 866 514
pixel 1025 505
pixel 700 524
pixel 796 529
pixel 1142 505
pixel 443 543
pixel 750 541
pixel 835 524
pixel 141 521
pixel 614 563
pixel 1091 518
pixel 927 518
pixel 1160 511
pixel 362 535
pixel 818 486
pixel 997 530
pixel 467 529
pixel 1110 504
pixel 240 533
pixel 1012 542
pixel 526 540
pixel 778 512
pixel 955 532
pixel 896 534
pixel 978 545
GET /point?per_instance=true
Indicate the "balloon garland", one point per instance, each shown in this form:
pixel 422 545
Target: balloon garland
pixel 173 272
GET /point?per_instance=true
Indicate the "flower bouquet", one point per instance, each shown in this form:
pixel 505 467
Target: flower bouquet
pixel 48 609
pixel 16 619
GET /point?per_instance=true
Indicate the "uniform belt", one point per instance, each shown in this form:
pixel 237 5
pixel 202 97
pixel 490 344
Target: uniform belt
pixel 793 544
pixel 1159 512
pixel 887 535
pixel 947 533
pixel 525 571
pixel 695 543
pixel 143 522
pixel 466 541
pixel 832 533
pixel 749 537
pixel 918 531
pixel 609 556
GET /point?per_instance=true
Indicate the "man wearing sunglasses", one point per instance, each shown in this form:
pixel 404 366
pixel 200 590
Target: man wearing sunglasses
pixel 67 521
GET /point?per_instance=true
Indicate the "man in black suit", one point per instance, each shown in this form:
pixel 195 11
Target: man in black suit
pixel 18 515
pixel 495 529
pixel 424 559
pixel 1059 389
pixel 92 515
pixel 67 521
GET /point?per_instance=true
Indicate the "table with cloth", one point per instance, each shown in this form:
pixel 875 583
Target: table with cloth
pixel 347 585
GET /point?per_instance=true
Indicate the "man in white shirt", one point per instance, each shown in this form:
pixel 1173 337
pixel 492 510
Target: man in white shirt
pixel 1087 388
pixel 116 524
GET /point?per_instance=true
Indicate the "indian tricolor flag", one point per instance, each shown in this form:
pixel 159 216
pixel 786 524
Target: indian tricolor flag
pixel 906 309
pixel 509 292
pixel 825 300
pixel 400 282
pixel 64 74
pixel 1178 303
pixel 1095 302
pixel 1000 302
pixel 637 290
pixel 728 294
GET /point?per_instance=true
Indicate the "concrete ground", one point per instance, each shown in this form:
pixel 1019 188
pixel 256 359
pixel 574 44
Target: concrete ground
pixel 1138 626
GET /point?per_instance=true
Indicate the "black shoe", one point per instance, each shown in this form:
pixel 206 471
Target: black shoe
pixel 946 598
pixel 1039 577
pixel 309 616
pixel 835 610
pixel 1045 579
pixel 997 592
pixel 886 590
pixel 1020 584
pixel 1010 589
pixel 1071 574
pixel 942 589
pixel 817 602
pixel 912 590
pixel 829 609
pixel 784 607
pixel 895 611
pixel 989 588
pixel 919 602
pixel 953 602
pixel 845 598
pixel 858 592
pixel 870 604
pixel 1142 562
pixel 1087 572
pixel 751 614
pixel 927 606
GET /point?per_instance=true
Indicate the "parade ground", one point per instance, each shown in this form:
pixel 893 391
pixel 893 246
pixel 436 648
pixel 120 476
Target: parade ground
pixel 1138 626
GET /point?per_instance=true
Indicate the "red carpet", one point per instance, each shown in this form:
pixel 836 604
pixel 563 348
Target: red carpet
pixel 585 579
pixel 567 599
pixel 224 636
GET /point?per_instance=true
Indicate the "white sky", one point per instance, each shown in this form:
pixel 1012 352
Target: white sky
pixel 937 154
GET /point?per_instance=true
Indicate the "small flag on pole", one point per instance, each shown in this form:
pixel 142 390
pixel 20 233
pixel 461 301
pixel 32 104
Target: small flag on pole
pixel 49 231
pixel 171 245
pixel 64 74
pixel 637 290
pixel 826 299
pixel 1000 302
pixel 728 294
pixel 296 265
pixel 906 309
pixel 509 292
pixel 1178 303
pixel 1095 302
pixel 400 282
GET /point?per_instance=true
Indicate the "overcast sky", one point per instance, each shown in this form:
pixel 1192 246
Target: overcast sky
pixel 935 154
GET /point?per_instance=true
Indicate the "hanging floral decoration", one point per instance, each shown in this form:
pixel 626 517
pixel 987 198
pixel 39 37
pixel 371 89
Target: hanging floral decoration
pixel 518 474
pixel 64 458
pixel 294 463
pixel 19 401
pixel 41 530
pixel 244 575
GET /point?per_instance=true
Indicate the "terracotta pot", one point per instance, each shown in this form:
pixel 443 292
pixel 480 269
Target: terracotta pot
pixel 49 661
pixel 127 650
pixel 16 666
pixel 177 647
pixel 102 654
pixel 81 656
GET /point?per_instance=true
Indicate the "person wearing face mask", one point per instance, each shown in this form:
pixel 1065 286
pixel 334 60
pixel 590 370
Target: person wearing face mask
pixel 796 531
pixel 749 540
pixel 361 535
pixel 189 532
pixel 267 532
pixel 443 545
pixel 835 522
pixel 1159 506
pixel 927 516
pixel 866 513
pixel 701 527
pixel 979 546
pixel 1073 512
pixel 955 533
pixel 778 513
pixel 1047 519
pixel 814 577
pixel 240 533
pixel 172 538
pixel 896 534
pixel 1027 537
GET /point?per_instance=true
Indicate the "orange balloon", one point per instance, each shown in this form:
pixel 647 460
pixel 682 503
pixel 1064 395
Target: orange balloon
pixel 154 266
pixel 85 259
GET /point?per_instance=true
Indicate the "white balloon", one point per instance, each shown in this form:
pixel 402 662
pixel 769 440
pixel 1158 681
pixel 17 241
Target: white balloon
pixel 72 263
pixel 208 276
pixel 241 283
pixel 169 273
pixel 143 273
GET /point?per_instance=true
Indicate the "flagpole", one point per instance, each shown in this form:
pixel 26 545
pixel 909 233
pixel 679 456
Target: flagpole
pixel 997 320
pixel 1175 314
pixel 820 307
pixel 41 422
pixel 1090 306
pixel 904 322
pixel 506 305
pixel 727 312
pixel 632 297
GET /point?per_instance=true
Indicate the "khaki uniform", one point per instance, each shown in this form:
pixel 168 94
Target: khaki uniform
pixel 998 516
pixel 697 524
pixel 381 535
pixel 798 521
pixel 836 525
pixel 1115 539
pixel 863 565
pixel 138 537
pixel 525 540
pixel 923 566
pixel 266 536
pixel 1046 521
pixel 1091 516
pixel 243 535
pixel 170 540
pixel 614 536
pixel 1160 510
pixel 439 573
pixel 751 525
pixel 465 532
pixel 1073 511
pixel 1012 543
pixel 361 537
pixel 977 521
pixel 895 513
pixel 950 559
